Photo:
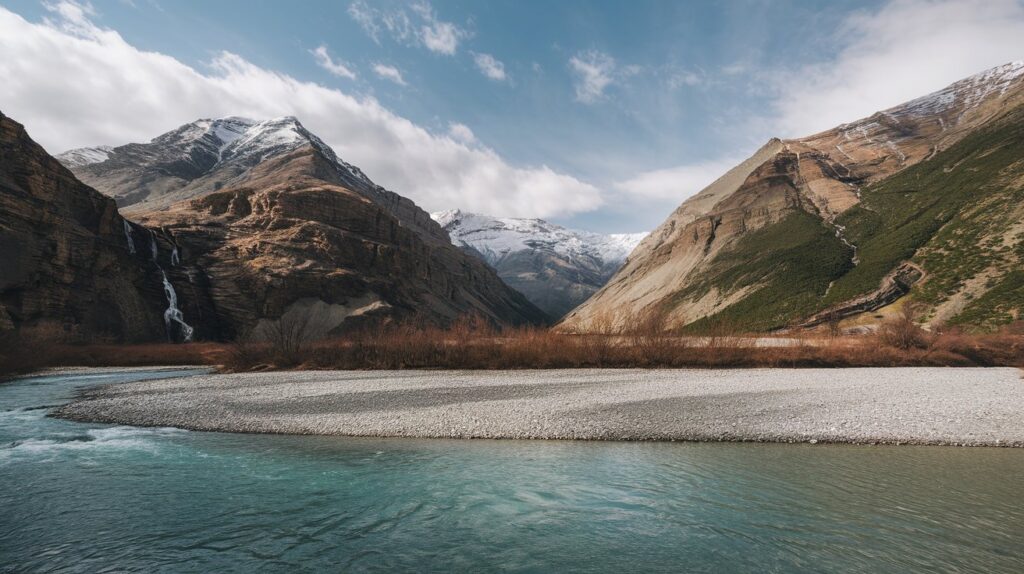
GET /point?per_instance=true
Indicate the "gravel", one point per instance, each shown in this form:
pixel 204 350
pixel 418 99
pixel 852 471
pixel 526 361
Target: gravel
pixel 976 406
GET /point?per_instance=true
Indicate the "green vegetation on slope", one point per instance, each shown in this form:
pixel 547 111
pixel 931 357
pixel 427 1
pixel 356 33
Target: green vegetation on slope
pixel 789 265
pixel 930 204
pixel 949 214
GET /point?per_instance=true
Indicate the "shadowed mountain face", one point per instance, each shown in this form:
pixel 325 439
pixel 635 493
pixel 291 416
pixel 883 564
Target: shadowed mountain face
pixel 65 264
pixel 923 198
pixel 556 268
pixel 266 222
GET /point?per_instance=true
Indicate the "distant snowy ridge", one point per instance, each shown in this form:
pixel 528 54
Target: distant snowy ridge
pixel 497 237
pixel 84 156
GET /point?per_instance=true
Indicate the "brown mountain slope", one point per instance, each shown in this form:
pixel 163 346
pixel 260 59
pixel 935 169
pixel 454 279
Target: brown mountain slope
pixel 64 261
pixel 299 233
pixel 763 245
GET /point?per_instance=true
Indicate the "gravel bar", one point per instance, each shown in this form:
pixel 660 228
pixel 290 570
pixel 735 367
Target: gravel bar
pixel 943 406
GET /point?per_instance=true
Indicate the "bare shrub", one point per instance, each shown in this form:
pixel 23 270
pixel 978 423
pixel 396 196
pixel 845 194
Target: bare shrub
pixel 832 321
pixel 903 332
pixel 290 335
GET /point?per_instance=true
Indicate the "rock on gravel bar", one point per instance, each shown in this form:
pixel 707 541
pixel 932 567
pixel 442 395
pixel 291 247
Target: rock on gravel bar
pixel 977 406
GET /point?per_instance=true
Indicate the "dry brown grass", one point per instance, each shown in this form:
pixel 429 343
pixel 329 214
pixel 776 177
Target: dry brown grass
pixel 474 344
pixel 23 355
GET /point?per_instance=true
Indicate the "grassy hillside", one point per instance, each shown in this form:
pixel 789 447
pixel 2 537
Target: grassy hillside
pixel 960 215
pixel 789 264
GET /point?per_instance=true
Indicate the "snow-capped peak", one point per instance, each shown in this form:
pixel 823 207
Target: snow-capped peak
pixel 209 143
pixel 497 237
pixel 969 92
pixel 84 156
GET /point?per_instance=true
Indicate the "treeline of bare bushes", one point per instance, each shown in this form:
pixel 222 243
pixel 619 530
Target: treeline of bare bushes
pixel 473 343
pixel 300 341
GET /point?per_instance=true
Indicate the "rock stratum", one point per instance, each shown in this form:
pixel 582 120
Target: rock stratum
pixel 556 268
pixel 921 200
pixel 64 264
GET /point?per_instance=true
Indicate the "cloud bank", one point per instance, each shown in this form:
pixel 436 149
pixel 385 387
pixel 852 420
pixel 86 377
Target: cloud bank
pixel 74 83
pixel 904 50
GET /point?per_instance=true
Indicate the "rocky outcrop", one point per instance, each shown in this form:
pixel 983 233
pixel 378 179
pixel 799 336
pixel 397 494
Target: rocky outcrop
pixel 65 263
pixel 894 285
pixel 821 175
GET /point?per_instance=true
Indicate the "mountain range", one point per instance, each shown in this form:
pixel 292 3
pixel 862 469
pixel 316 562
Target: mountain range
pixel 556 268
pixel 220 226
pixel 923 199
pixel 233 223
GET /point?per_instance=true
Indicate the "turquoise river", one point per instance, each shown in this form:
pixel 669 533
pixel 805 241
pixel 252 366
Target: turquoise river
pixel 97 498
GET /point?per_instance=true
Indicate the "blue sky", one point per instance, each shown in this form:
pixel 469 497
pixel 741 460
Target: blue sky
pixel 598 115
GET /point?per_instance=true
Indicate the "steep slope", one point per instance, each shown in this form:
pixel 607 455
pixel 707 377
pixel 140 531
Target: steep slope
pixel 267 222
pixel 837 223
pixel 65 264
pixel 556 268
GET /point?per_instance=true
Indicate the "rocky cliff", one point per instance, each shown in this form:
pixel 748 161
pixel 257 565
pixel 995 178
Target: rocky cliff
pixel 819 225
pixel 66 267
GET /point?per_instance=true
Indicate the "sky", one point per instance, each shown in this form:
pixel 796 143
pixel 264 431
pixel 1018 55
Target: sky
pixel 596 115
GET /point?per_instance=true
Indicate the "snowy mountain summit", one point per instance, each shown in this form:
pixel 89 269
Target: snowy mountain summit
pixel 199 157
pixel 498 237
pixel 555 267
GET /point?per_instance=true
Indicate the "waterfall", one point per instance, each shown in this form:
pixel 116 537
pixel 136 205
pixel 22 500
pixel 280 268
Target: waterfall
pixel 128 236
pixel 173 313
pixel 174 256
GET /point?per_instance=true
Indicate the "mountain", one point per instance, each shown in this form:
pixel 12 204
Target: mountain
pixel 67 270
pixel 922 199
pixel 556 268
pixel 263 221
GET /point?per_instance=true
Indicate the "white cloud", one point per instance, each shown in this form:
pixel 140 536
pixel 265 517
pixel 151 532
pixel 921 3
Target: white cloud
pixel 461 133
pixel 366 17
pixel 676 183
pixel 390 73
pixel 423 28
pixel 324 60
pixel 679 78
pixel 897 53
pixel 490 67
pixel 73 83
pixel 593 71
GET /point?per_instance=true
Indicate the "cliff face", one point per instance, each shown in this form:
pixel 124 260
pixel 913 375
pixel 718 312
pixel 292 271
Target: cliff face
pixel 819 224
pixel 65 266
pixel 272 224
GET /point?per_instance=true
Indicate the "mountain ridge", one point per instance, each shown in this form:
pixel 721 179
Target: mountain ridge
pixel 823 176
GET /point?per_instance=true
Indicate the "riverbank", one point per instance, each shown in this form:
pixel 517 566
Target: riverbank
pixel 967 406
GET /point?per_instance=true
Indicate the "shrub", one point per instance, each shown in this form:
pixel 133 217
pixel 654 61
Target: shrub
pixel 903 332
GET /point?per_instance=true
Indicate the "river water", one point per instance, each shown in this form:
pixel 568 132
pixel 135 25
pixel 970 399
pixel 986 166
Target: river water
pixel 92 498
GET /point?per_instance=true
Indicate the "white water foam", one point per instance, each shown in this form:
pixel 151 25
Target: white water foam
pixel 102 439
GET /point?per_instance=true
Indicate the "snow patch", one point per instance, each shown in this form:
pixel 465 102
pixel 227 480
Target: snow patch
pixel 85 156
pixel 497 237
